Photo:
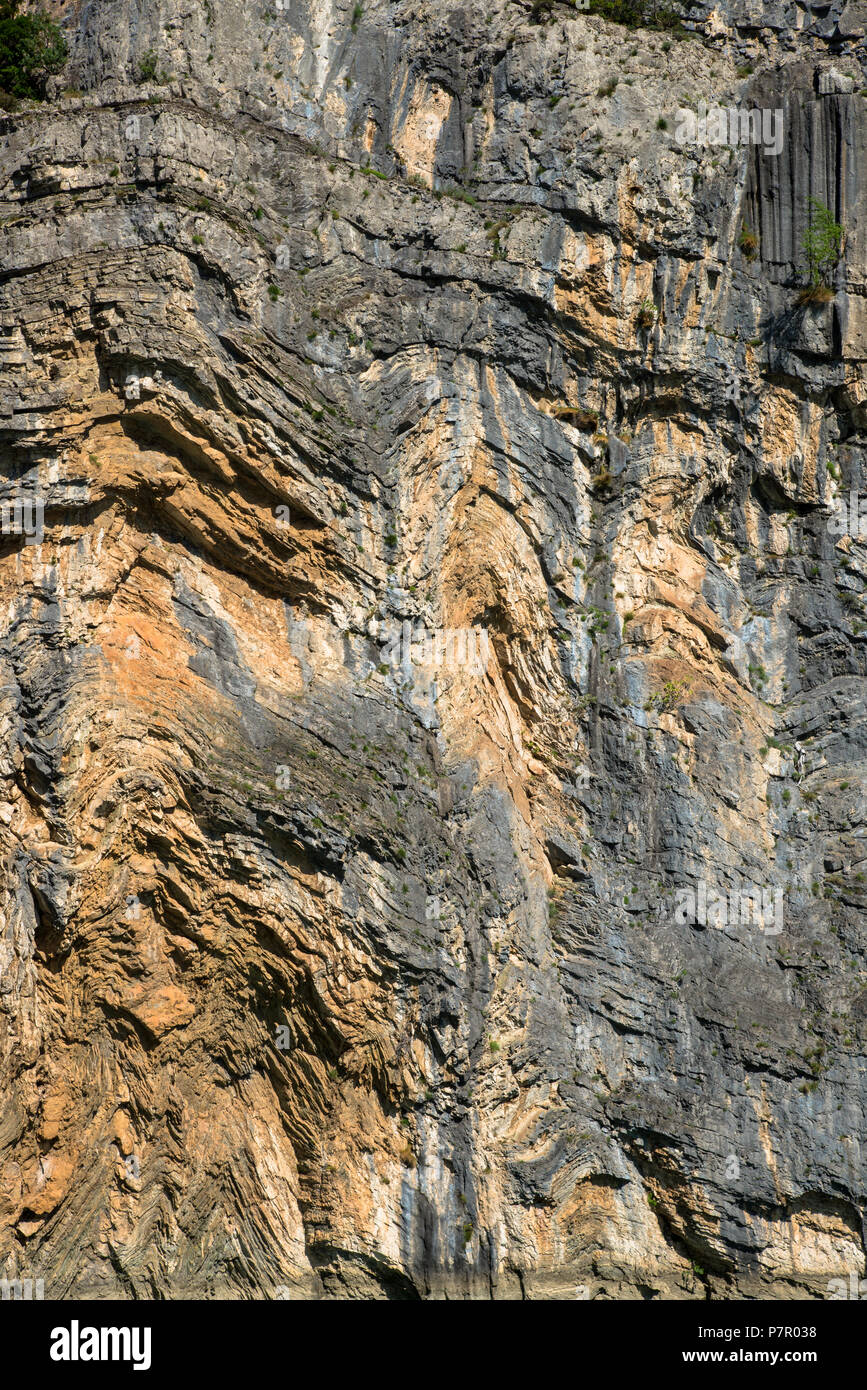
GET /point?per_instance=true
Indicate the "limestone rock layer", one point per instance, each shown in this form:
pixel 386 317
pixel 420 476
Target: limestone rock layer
pixel 438 623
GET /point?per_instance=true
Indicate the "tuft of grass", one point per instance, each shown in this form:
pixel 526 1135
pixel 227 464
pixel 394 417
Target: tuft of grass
pixel 815 294
pixel 581 418
pixel 601 482
pixel 451 190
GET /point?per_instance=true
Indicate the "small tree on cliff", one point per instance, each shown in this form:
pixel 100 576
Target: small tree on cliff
pixel 821 244
pixel 32 48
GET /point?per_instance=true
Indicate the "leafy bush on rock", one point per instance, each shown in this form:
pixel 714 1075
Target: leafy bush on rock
pixel 32 49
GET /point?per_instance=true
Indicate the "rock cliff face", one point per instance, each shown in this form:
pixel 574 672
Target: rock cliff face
pixel 432 601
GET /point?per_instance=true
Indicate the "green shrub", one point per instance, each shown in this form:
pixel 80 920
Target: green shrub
pixel 821 244
pixel 147 68
pixel 32 49
pixel 638 14
pixel 748 242
pixel 672 694
pixel 451 190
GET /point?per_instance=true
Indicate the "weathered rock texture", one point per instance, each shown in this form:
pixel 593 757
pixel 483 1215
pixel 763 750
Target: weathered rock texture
pixel 323 977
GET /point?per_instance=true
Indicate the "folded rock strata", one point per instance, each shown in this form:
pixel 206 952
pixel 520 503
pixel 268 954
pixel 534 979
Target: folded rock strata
pixel 329 975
